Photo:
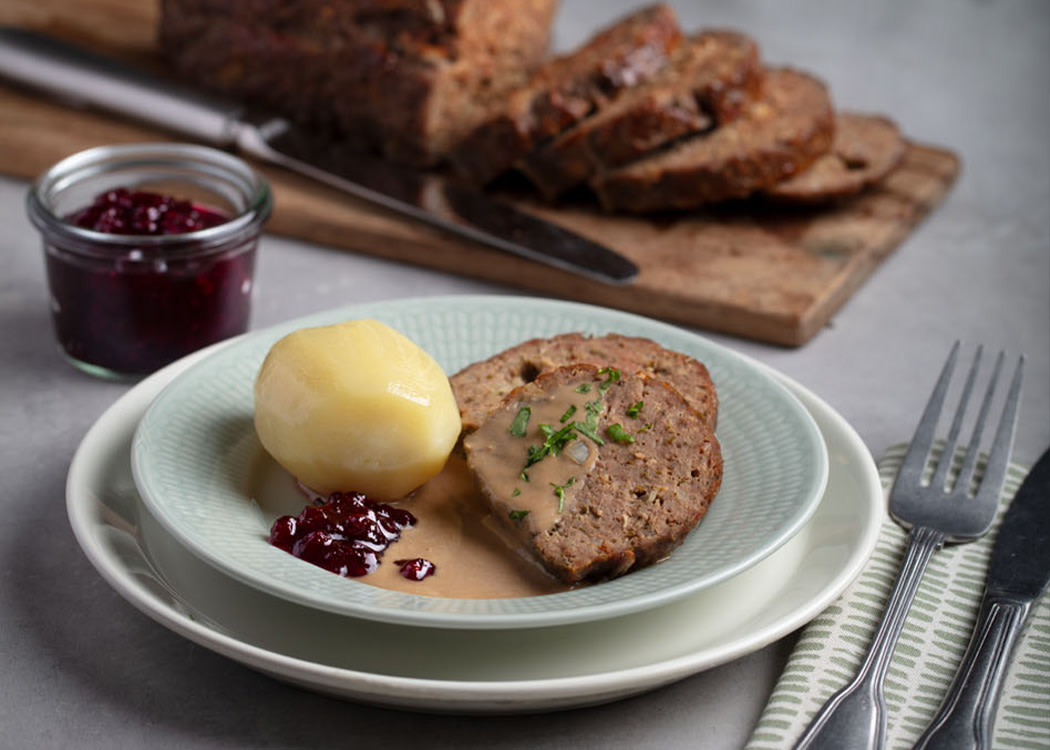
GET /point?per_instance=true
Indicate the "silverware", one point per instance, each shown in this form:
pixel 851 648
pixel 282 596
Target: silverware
pixel 49 65
pixel 855 716
pixel 1018 574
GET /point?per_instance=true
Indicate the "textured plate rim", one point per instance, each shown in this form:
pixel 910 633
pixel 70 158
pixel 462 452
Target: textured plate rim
pixel 409 614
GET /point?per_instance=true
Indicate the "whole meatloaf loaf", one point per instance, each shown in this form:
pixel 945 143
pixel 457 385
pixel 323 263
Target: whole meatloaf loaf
pixel 708 82
pixel 479 388
pixel 614 483
pixel 780 134
pixel 403 78
pixel 568 88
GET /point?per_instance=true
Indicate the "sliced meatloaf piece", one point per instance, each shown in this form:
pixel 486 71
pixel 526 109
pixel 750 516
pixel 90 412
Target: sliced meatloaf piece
pixel 568 88
pixel 615 485
pixel 480 387
pixel 435 15
pixel 406 79
pixel 708 82
pixel 866 148
pixel 777 136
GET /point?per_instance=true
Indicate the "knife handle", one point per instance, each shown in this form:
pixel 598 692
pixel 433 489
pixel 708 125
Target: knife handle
pixel 966 715
pixel 43 63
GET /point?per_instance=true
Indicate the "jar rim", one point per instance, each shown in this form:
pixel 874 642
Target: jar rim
pixel 191 157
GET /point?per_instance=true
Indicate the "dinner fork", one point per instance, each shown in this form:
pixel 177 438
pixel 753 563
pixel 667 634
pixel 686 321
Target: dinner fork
pixel 933 514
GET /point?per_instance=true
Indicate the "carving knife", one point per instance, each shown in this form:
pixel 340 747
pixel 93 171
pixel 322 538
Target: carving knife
pixel 1018 574
pixel 46 64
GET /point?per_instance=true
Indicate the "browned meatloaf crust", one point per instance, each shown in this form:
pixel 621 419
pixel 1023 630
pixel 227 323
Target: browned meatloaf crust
pixel 866 148
pixel 566 89
pixel 778 135
pixel 710 79
pixel 406 79
pixel 641 499
pixel 479 388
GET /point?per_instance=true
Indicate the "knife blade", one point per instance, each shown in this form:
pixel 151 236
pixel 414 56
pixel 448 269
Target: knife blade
pixel 1018 574
pixel 44 63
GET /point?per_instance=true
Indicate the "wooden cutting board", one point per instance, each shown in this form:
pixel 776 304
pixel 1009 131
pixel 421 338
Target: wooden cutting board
pixel 772 275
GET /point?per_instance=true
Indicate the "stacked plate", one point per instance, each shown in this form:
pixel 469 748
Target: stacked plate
pixel 163 497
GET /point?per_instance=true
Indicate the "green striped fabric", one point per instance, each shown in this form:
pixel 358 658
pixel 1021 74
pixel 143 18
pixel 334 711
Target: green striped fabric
pixel 935 636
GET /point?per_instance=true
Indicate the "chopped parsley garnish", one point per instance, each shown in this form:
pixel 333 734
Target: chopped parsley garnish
pixel 552 445
pixel 635 409
pixel 536 454
pixel 559 439
pixel 589 428
pixel 619 434
pixel 518 515
pixel 559 492
pixel 611 374
pixel 555 440
pixel 521 421
pixel 589 432
pixel 516 492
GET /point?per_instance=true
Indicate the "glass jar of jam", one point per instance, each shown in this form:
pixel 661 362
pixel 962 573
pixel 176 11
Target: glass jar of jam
pixel 150 252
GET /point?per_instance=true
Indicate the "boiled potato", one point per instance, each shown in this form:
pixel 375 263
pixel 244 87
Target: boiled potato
pixel 355 406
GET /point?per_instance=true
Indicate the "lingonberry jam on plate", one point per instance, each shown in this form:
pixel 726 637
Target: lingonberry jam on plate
pixel 416 569
pixel 150 252
pixel 347 534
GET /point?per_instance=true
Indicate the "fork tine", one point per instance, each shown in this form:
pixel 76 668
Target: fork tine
pixel 914 463
pixel 939 479
pixel 1002 445
pixel 965 475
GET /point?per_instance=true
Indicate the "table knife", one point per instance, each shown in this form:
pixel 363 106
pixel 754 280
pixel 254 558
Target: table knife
pixel 1018 574
pixel 46 64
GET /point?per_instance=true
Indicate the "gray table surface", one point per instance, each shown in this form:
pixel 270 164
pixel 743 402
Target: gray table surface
pixel 82 668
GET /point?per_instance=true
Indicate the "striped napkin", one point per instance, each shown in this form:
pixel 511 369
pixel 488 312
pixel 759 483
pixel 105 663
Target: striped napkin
pixel 935 636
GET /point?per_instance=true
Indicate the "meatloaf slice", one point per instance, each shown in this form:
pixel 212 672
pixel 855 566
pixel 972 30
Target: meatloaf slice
pixel 406 79
pixel 601 501
pixel 709 81
pixel 568 88
pixel 480 387
pixel 866 148
pixel 398 15
pixel 777 136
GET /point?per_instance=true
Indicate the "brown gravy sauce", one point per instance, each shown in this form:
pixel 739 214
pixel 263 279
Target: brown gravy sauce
pixel 476 556
pixel 538 494
pixel 475 550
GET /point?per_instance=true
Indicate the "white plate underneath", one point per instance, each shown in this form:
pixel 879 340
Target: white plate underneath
pixel 501 671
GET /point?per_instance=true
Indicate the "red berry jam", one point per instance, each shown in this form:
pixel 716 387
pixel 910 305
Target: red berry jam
pixel 416 569
pixel 148 305
pixel 121 211
pixel 346 534
pixel 144 274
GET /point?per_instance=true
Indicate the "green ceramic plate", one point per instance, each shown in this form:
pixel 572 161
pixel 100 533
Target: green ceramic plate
pixel 197 463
